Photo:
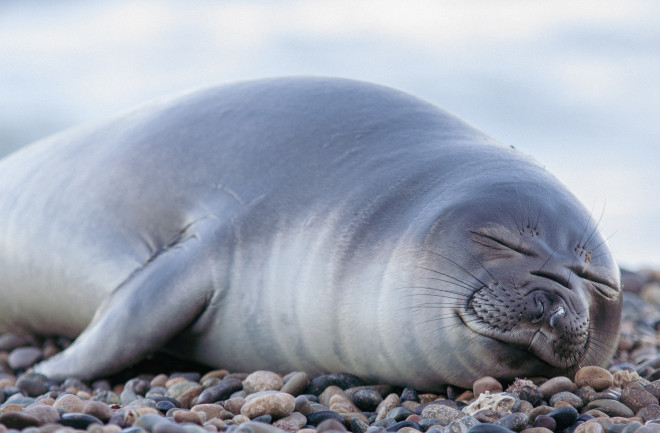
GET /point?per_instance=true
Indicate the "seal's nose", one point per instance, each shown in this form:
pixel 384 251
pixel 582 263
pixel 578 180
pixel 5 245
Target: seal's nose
pixel 543 307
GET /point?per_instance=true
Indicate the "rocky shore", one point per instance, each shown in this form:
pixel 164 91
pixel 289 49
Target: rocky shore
pixel 620 399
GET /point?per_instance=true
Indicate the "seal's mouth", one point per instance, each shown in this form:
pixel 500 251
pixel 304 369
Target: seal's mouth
pixel 538 322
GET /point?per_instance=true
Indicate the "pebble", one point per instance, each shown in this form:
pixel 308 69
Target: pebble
pixel 484 384
pixel 568 397
pixel 315 418
pixel 342 380
pixel 24 357
pixel 78 420
pixel 556 385
pixel 221 391
pixel 262 381
pixel 18 420
pixel 611 408
pixel 296 384
pixel 636 397
pixel 278 405
pixel 367 399
pixel 596 377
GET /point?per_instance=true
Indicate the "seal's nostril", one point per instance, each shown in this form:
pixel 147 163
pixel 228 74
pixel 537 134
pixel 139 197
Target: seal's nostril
pixel 557 314
pixel 540 310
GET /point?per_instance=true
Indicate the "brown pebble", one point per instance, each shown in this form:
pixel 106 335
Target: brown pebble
pixel 70 402
pixel 489 415
pixel 44 413
pixel 466 396
pixel 186 397
pixel 589 427
pixel 596 377
pixel 217 374
pixel 411 405
pixel 234 405
pixel 7 382
pixel 183 415
pixel 636 397
pixel 556 385
pixel 174 381
pixel 562 403
pixel 328 393
pixel 486 383
pixel 427 398
pixel 159 381
pixel 291 423
pixel 238 419
pixel 652 411
pixel 277 405
pixel 414 418
pixel 340 403
pixel 212 410
pixel 11 407
pixel 597 413
pixel 262 380
pixel 389 403
pixel 217 423
pixel 98 409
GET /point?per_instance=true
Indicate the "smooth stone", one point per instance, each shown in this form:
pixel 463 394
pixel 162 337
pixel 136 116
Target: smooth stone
pixel 653 388
pixel 296 384
pixel 138 386
pixel 24 357
pixel 385 422
pixel 315 418
pixel 358 426
pixel 342 380
pixel 168 427
pixel 221 391
pixel 484 384
pixel 44 413
pixel 556 385
pixel 545 421
pixel 409 394
pixel 569 398
pixel 516 421
pixel 209 410
pixel 233 405
pixel 596 377
pixel 367 399
pixel 182 416
pixel 31 387
pixel 537 430
pixel 649 412
pixel 9 342
pixel 165 405
pixel 78 420
pixel 611 408
pixel 277 405
pixel 564 416
pixel 263 418
pixel 636 397
pixel 488 428
pixel 399 413
pixel 589 427
pixel 70 402
pixel 389 403
pixel 262 380
pixel 649 428
pixel 291 423
pixel 434 430
pixel 632 427
pixel 98 410
pixel 444 413
pixel 18 420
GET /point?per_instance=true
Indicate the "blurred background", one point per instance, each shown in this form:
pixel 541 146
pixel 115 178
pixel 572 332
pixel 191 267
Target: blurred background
pixel 574 84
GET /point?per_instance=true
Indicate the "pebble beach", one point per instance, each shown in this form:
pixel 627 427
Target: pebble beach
pixel 622 398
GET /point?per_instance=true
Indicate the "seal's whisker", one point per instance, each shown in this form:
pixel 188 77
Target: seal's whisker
pixel 433 289
pixel 459 267
pixel 604 242
pixel 482 265
pixel 547 260
pixel 593 232
pixel 448 276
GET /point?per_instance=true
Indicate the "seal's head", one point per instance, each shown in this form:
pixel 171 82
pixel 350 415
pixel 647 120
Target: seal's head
pixel 536 290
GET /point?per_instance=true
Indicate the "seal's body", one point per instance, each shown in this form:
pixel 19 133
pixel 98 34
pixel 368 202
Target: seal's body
pixel 304 223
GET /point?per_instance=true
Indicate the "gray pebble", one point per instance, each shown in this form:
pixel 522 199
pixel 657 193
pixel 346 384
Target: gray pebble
pixel 399 413
pixel 78 420
pixel 568 397
pixel 24 357
pixel 516 421
pixel 296 384
pixel 611 408
pixel 18 420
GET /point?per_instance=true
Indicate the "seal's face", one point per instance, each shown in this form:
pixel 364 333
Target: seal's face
pixel 557 305
pixel 534 285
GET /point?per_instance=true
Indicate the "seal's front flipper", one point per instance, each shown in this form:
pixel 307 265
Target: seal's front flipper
pixel 154 304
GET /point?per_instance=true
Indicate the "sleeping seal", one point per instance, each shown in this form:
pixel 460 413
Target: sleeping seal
pixel 302 224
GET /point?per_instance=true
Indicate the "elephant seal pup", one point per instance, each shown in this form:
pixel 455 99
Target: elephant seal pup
pixel 302 224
